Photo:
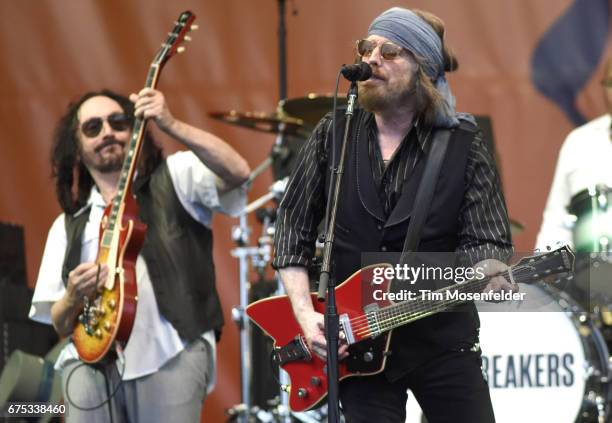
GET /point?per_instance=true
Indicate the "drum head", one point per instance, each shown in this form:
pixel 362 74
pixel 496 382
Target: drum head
pixel 536 362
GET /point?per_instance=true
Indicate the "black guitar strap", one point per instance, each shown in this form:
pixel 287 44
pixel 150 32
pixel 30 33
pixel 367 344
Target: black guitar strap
pixel 422 201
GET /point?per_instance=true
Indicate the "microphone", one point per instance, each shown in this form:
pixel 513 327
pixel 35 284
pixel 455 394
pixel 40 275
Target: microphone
pixel 357 72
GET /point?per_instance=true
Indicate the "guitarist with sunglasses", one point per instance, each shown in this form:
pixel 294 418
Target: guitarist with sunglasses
pixel 168 365
pixel 405 101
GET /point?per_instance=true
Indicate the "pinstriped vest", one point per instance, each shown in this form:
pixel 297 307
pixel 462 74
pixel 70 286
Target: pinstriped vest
pixel 362 227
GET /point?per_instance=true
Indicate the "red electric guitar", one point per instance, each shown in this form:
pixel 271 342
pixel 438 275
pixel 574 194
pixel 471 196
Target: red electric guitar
pixel 109 316
pixel 367 324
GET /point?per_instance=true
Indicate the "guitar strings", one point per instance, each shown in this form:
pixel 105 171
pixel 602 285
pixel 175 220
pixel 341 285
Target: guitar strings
pixel 401 313
pixel 397 313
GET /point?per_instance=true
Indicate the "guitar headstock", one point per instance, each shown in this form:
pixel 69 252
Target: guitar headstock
pixel 172 45
pixel 536 267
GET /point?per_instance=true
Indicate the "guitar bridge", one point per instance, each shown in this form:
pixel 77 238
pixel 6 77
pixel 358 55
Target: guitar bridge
pixel 293 351
pixel 345 323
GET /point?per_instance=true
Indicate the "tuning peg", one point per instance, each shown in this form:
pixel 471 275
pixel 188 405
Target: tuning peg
pixel 194 27
pixel 187 38
pixel 180 49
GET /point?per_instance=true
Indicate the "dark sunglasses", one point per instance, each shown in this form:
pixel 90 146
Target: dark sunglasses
pixel 118 121
pixel 388 50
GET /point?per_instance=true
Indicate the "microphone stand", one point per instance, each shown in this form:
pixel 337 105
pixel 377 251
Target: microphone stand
pixel 327 283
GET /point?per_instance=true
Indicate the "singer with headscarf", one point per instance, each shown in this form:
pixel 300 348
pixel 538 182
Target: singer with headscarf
pixel 403 104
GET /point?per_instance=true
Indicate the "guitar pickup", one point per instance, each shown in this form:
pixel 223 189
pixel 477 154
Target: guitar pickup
pixel 345 323
pixel 294 351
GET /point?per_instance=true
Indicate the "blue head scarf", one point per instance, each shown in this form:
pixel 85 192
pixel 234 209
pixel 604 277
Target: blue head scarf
pixel 411 32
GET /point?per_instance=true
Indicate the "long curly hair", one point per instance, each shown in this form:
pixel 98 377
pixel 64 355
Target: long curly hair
pixel 72 179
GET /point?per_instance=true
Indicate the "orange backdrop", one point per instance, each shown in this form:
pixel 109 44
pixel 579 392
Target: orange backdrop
pixel 53 50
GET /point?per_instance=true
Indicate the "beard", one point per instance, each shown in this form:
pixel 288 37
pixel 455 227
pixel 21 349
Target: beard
pixel 104 159
pixel 386 96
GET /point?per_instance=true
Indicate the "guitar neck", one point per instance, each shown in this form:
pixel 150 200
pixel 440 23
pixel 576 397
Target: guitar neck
pixel 168 49
pixel 128 169
pixel 430 302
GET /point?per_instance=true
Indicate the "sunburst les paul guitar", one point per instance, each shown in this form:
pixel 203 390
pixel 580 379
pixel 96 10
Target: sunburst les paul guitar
pixel 367 324
pixel 108 318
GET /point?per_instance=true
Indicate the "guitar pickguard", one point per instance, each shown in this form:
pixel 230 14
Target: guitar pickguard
pixel 368 357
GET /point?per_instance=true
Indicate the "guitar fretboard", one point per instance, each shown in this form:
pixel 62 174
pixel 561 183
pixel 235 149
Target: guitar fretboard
pixel 181 27
pixel 527 270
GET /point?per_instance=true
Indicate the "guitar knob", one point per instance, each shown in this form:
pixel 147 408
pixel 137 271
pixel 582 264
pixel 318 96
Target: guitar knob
pixel 315 381
pixel 302 393
pixel 107 326
pixel 98 333
pixel 112 304
pixel 368 357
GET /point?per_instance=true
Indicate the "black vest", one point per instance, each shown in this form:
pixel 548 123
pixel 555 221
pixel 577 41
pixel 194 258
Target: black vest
pixel 178 253
pixel 361 227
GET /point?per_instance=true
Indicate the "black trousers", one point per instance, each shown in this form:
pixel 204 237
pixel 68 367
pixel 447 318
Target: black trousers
pixel 449 389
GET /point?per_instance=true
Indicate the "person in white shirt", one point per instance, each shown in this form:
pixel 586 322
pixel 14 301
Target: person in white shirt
pixel 584 162
pixel 167 367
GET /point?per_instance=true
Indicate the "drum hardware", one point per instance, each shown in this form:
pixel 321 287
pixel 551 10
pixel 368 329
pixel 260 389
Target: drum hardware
pixel 260 257
pixel 593 219
pixel 243 412
pixel 597 366
pixel 290 135
pixel 257 257
pixel 590 213
pixel 276 190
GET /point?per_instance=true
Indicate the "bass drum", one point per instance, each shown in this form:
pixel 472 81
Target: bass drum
pixel 550 365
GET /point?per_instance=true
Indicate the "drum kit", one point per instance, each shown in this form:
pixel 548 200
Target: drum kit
pixel 553 368
pixel 570 345
pixel 548 359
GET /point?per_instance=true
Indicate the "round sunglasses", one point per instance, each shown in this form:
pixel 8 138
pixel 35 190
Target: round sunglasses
pixel 117 121
pixel 388 50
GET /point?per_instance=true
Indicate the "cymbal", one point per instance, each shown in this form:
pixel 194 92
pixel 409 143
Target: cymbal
pixel 310 109
pixel 261 121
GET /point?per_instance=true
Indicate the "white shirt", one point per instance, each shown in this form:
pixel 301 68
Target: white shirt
pixel 153 340
pixel 585 160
